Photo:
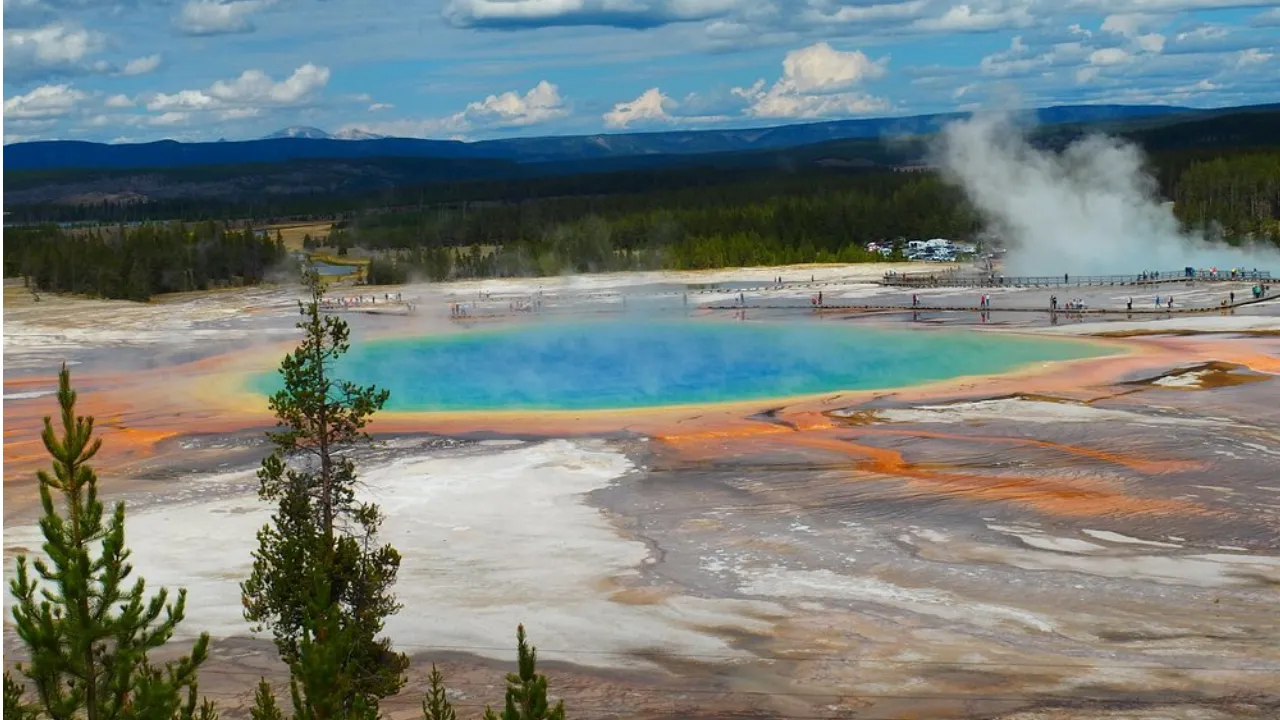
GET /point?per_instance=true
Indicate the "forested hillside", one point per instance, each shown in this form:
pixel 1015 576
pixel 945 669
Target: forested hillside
pixel 135 263
pixel 1241 192
pixel 762 220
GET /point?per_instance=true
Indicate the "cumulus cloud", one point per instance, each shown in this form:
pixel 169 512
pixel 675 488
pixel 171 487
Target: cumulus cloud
pixel 253 89
pixel 817 81
pixel 119 101
pixel 1123 40
pixel 142 65
pixel 508 110
pixel 651 106
pixel 213 17
pixel 511 109
pixel 375 107
pixel 53 49
pixel 46 101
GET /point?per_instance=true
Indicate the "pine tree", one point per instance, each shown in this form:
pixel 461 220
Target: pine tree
pixel 15 708
pixel 88 632
pixel 527 690
pixel 436 705
pixel 264 703
pixel 320 582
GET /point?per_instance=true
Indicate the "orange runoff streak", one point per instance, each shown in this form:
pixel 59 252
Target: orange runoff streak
pixel 1060 496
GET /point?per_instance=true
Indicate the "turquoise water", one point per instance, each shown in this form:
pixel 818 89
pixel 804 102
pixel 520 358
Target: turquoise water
pixel 597 365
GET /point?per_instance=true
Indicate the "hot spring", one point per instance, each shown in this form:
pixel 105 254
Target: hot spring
pixel 613 365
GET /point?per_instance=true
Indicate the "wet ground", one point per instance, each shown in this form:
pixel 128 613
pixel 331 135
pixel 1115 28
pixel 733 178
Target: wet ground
pixel 1072 546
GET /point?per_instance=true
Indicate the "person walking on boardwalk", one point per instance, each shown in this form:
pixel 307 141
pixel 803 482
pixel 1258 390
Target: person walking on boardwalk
pixel 1130 305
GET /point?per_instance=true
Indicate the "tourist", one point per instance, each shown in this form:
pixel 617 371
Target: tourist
pixel 1130 306
pixel 820 297
pixel 1233 294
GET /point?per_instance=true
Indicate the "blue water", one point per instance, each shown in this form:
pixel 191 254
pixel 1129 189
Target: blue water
pixel 595 365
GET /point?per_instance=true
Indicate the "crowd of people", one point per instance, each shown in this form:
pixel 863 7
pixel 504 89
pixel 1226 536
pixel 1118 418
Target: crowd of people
pixel 357 301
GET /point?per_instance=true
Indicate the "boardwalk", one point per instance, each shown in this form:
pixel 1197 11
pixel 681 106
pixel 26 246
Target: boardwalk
pixel 953 278
pixel 828 307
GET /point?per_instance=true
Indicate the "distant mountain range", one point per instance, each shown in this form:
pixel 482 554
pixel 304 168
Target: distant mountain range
pixel 310 133
pixel 305 175
pixel 307 143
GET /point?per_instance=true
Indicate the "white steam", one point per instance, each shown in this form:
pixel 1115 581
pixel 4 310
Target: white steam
pixel 1090 210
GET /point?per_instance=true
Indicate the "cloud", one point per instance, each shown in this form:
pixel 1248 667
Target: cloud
pixel 239 113
pixel 816 82
pixel 635 14
pixel 1270 18
pixel 253 89
pixel 1162 6
pixel 1131 24
pixel 142 65
pixel 965 17
pixel 1108 56
pixel 26 13
pixel 651 106
pixel 171 118
pixel 1252 56
pixel 749 21
pixel 865 14
pixel 381 106
pixel 254 86
pixel 213 17
pixel 46 101
pixel 510 109
pixel 119 101
pixel 50 50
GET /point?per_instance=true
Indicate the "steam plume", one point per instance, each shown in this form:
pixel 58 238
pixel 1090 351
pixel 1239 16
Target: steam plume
pixel 1091 209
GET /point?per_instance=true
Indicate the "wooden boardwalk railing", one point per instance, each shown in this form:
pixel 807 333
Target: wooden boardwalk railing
pixel 958 279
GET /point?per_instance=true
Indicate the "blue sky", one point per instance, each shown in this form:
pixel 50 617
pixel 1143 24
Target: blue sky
pixel 141 70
